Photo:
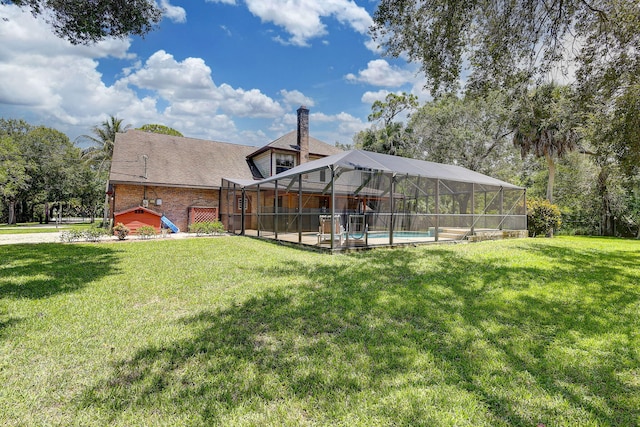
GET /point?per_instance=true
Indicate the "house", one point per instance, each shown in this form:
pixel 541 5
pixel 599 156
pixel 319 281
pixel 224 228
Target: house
pixel 301 190
pixel 181 178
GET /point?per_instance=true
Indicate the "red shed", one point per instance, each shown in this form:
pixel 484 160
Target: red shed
pixel 137 217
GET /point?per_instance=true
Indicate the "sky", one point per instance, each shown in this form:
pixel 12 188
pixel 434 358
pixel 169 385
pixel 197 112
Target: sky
pixel 224 70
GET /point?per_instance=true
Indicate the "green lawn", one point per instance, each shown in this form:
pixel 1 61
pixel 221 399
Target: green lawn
pixel 234 331
pixel 37 228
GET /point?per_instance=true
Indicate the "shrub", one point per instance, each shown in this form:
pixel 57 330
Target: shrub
pixel 146 232
pixel 199 228
pixel 93 234
pixel 206 228
pixel 121 230
pixel 542 217
pixel 218 227
pixel 71 236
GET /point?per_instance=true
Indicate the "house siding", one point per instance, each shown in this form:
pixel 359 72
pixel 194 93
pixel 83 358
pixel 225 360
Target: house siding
pixel 263 163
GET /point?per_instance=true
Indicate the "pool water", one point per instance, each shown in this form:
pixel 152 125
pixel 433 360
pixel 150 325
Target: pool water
pixel 400 234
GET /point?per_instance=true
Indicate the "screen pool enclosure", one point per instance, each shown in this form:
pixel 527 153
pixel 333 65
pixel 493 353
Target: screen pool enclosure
pixel 365 199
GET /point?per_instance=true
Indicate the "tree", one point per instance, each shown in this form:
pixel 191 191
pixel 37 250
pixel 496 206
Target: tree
pixel 544 126
pixel 471 132
pixel 13 176
pixel 626 122
pixel 611 129
pixel 162 129
pixel 52 161
pixel 100 152
pixel 395 139
pixel 506 43
pixel 389 137
pixel 88 190
pixel 38 166
pixel 83 22
pixel 392 106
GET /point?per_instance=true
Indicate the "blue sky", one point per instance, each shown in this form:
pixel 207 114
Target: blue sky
pixel 226 70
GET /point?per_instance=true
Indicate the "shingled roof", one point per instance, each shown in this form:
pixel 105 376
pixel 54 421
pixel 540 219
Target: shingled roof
pixel 289 141
pixel 154 159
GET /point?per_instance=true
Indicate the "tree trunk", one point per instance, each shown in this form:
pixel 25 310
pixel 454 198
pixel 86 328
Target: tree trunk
pixel 105 216
pixel 46 212
pixel 12 212
pixel 552 176
pixel 606 219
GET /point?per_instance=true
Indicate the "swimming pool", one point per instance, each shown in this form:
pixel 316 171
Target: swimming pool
pixel 400 234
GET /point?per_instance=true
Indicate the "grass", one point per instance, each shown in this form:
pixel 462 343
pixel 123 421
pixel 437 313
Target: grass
pixel 233 331
pixel 31 228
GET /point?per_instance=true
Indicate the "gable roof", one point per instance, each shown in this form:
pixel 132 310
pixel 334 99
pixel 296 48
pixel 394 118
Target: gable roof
pixel 367 160
pixel 147 158
pixel 136 208
pixel 289 142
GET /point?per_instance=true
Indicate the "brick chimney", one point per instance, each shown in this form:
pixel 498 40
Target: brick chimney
pixel 303 135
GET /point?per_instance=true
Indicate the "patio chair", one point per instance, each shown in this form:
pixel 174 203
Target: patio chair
pixel 324 230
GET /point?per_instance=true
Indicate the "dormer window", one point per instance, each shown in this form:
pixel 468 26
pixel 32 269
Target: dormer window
pixel 284 162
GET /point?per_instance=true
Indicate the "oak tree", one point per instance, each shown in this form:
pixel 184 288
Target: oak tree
pixel 89 21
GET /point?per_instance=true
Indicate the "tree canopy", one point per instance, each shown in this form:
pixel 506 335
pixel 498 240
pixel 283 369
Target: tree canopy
pixel 83 22
pixel 100 151
pixel 39 165
pixel 162 129
pixel 390 137
pixel 471 132
pixel 511 41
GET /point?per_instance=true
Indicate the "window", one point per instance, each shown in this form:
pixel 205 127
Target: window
pixel 240 205
pixel 284 162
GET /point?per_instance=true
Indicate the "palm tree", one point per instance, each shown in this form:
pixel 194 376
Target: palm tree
pixel 543 126
pixel 100 150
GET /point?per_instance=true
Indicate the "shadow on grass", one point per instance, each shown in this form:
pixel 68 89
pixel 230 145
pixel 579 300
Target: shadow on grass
pixel 405 337
pixel 44 270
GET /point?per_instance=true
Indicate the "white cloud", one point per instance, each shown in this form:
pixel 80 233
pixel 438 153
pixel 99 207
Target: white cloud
pixel 251 103
pixel 51 76
pixel 49 81
pixel 23 35
pixel 302 19
pixel 46 80
pixel 226 30
pixel 380 73
pixel 295 98
pixel 371 97
pixel 330 128
pixel 345 127
pixel 189 88
pixel 174 13
pixel 173 80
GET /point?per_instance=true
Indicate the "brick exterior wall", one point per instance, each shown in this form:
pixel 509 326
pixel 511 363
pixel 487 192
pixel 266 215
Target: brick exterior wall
pixel 175 201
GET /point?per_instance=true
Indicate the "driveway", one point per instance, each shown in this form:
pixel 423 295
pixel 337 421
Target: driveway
pixel 9 239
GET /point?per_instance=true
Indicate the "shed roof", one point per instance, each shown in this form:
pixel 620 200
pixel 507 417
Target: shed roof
pixel 370 161
pixel 141 157
pixel 136 208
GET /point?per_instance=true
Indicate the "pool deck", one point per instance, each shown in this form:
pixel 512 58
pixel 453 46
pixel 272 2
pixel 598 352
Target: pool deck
pixel 311 239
